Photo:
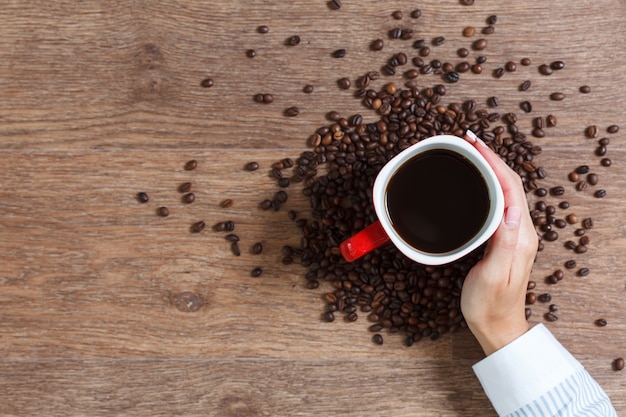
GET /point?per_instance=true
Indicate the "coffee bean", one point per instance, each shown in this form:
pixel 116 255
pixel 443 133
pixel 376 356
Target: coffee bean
pixel 185 187
pixel 580 249
pixel 601 150
pixel 583 272
pixel 488 30
pixel 573 176
pixel 207 83
pixel 557 65
pixel 600 193
pixel 605 162
pixel 531 285
pixel 439 40
pixel 584 240
pixel 226 203
pixel 550 316
pixel 551 236
pixel 618 364
pixel 339 53
pixel 293 40
pixel 415 14
pixel 256 272
pixel 344 83
pixel 493 101
pixel 452 76
pixel 163 211
pixel 612 129
pixel 579 232
pixel 477 69
pixel 570 244
pixel 525 85
pixel 377 45
pixel 541 192
pixel 292 111
pixel 557 96
pixel 234 247
pixel 479 44
pixel 466 2
pixel 189 198
pixel 544 298
pixel 581 186
pixel 308 89
pixel 600 322
pixel 551 120
pixel 570 264
pixel 197 227
pixel 510 66
pixel 572 218
pixel 564 205
pixel 462 52
pixel 592 179
pixel 378 339
pixel 232 237
pixel 557 191
pixel 469 31
pixel 604 142
pixel 250 53
pixel 252 166
pixel 587 223
pixel 585 89
pixel 257 248
pixel 191 165
pixel 143 197
pixel 525 62
pixel 545 69
pixel 526 106
pixel 492 19
pixel 334 4
pixel 591 131
pixel 263 29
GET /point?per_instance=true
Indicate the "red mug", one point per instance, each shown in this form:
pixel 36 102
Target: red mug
pixel 405 205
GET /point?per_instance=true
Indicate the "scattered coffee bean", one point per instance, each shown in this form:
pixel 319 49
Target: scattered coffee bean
pixel 250 53
pixel 292 111
pixel 344 83
pixel 191 165
pixel 612 129
pixel 557 65
pixel 252 166
pixel 572 218
pixel 587 223
pixel 591 131
pixel 600 193
pixel 334 4
pixel 257 248
pixel 488 30
pixel 564 205
pixel 573 176
pixel 525 62
pixel 226 203
pixel 580 249
pixel 510 66
pixel 339 53
pixel 605 162
pixel 570 264
pixel 263 29
pixel 493 101
pixel 232 237
pixel 551 120
pixel 439 40
pixel 544 298
pixel 256 272
pixel 143 197
pixel 585 89
pixel 557 96
pixel 377 45
pixel 185 187
pixel 415 14
pixel 581 186
pixel 466 2
pixel 526 106
pixel 525 85
pixel 545 69
pixel 583 272
pixel 293 40
pixel 234 247
pixel 207 83
pixel 378 339
pixel 163 211
pixel 189 198
pixel 557 191
pixel 197 227
pixel 480 44
pixel 308 89
pixel 600 322
pixel 592 179
pixel 469 31
pixel 618 364
pixel 550 316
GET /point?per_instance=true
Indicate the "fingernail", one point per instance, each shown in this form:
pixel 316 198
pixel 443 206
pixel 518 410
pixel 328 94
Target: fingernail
pixel 513 215
pixel 471 136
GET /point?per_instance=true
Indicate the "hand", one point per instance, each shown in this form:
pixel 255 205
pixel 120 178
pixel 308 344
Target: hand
pixel 494 292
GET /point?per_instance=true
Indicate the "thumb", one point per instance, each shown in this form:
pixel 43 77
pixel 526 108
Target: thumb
pixel 504 241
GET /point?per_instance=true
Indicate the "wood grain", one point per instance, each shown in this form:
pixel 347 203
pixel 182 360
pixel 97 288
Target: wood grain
pixel 108 309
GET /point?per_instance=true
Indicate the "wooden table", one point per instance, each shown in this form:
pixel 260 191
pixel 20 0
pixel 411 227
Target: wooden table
pixel 108 309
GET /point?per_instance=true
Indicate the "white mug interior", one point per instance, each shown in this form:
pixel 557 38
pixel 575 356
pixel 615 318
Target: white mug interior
pixel 453 144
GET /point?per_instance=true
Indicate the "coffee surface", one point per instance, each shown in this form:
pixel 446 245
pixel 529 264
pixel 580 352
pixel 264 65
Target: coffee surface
pixel 437 201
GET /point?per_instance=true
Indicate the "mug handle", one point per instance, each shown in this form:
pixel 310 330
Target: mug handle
pixel 368 239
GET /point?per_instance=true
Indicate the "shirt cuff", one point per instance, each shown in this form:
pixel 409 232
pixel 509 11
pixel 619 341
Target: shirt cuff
pixel 525 369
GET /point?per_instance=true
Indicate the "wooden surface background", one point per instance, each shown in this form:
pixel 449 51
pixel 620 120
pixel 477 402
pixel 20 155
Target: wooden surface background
pixel 102 99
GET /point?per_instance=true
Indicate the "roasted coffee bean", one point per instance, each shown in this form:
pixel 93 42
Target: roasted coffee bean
pixel 531 298
pixel 558 274
pixel 600 193
pixel 572 218
pixel 612 129
pixel 329 316
pixel 415 14
pixel 570 244
pixel 452 77
pixel 570 264
pixel 492 19
pixel 477 69
pixel 525 62
pixel 510 66
pixel 191 165
pixel 579 232
pixel 267 98
pixel 591 131
pixel 604 142
pixel 488 30
pixel 232 237
pixel 551 236
pixel 582 169
pixel 250 53
pixel 551 279
pixel 292 111
pixel 587 223
pixel 493 101
pixel 584 240
pixel 541 192
pixel 189 198
pixel 550 316
pixel 583 272
pixel 558 96
pixel 573 176
pixel 197 227
pixel 469 31
pixel 592 179
pixel 553 308
pixel 581 186
pixel 606 162
pixel 557 191
pixel 531 285
pixel 544 298
pixel 344 83
pixel 564 205
pixel 378 339
pixel 480 44
pixel 143 197
pixel 557 65
pixel 551 120
pixel 560 223
pixel 618 364
pixel 481 59
pixel 334 5
pixel 585 89
pixel 600 322
pixel 308 89
pixel 207 83
pixel 163 211
pixel 601 150
pixel 293 40
pixel 252 166
pixel 526 106
pixel 263 29
pixel 377 45
pixel 256 272
pixel 545 69
pixel 462 52
pixel 339 53
pixel 525 85
pixel 227 203
pixel 185 187
pixel 438 40
pixel 466 2
pixel 234 247
pixel 580 249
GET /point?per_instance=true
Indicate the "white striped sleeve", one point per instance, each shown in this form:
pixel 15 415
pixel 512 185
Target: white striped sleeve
pixel 535 376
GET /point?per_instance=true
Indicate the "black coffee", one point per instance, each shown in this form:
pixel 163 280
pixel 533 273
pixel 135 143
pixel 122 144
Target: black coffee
pixel 437 201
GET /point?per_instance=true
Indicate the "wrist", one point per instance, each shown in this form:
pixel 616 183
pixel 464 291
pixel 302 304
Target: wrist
pixel 493 338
